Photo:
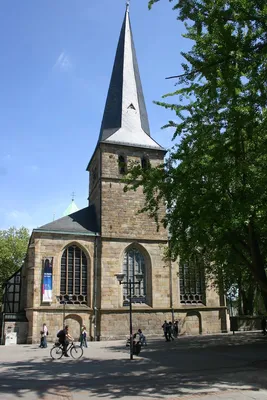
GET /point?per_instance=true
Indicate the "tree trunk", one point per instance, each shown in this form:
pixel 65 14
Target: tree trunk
pixel 258 268
pixel 248 300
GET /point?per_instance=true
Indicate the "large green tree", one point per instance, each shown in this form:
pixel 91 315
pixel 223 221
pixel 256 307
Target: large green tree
pixel 13 247
pixel 214 182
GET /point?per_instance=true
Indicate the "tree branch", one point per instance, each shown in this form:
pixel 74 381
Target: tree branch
pixel 258 46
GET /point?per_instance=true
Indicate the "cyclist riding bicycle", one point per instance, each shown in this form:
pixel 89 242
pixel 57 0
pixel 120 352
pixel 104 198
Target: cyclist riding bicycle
pixel 64 338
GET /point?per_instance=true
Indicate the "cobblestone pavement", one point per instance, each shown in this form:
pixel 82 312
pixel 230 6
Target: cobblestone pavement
pixel 217 367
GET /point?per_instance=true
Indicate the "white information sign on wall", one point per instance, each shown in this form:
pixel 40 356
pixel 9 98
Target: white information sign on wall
pixel 11 338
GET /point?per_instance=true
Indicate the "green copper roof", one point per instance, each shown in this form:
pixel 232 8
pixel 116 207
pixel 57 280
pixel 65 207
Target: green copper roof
pixel 71 209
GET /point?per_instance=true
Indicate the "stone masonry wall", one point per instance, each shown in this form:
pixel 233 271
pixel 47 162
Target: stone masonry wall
pixel 157 273
pixel 52 245
pixel 95 184
pixel 53 318
pixel 119 210
pixel 121 217
pixel 115 325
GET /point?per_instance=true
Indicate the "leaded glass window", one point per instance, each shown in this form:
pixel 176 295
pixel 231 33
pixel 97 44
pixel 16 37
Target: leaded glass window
pixel 134 263
pixel 192 282
pixel 73 283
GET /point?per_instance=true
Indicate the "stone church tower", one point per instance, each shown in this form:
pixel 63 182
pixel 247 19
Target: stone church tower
pixel 69 274
pixel 124 139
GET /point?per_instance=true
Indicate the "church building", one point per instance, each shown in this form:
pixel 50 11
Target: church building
pixel 70 271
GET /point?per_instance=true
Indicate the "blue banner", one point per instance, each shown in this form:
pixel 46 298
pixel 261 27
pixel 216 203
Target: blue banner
pixel 48 280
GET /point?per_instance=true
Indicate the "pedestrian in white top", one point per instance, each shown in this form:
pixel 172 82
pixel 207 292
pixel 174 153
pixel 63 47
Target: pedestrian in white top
pixel 44 334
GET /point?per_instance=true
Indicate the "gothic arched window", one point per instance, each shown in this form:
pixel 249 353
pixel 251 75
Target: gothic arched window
pixel 73 278
pixel 134 263
pixel 192 282
pixel 122 165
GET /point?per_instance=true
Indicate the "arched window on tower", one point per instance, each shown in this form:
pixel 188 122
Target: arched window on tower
pixel 134 263
pixel 122 165
pixel 145 163
pixel 73 278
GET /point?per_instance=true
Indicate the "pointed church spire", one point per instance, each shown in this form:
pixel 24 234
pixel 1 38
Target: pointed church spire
pixel 125 117
pixel 127 6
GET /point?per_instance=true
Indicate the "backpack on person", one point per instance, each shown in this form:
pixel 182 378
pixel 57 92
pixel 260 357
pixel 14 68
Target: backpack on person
pixel 61 333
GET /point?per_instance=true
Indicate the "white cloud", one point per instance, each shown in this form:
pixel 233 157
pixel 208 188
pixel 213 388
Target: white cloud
pixel 63 62
pixel 16 218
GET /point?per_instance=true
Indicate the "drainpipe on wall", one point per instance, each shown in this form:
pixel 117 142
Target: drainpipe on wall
pixel 95 290
pixel 3 328
pixel 171 294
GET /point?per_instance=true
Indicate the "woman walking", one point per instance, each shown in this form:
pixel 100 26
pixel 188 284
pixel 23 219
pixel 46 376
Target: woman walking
pixel 83 338
pixel 44 334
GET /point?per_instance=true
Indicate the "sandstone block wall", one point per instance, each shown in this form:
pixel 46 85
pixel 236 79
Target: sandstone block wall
pixel 157 273
pixel 53 318
pixel 53 245
pixel 115 325
pixel 95 184
pixel 119 210
pixel 120 217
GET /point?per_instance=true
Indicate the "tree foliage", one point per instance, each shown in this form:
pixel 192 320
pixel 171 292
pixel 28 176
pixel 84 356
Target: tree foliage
pixel 13 247
pixel 214 182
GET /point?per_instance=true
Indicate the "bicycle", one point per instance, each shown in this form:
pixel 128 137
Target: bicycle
pixel 57 352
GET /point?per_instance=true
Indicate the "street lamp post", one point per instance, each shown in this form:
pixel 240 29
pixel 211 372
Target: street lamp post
pixel 129 284
pixel 66 298
pixel 64 311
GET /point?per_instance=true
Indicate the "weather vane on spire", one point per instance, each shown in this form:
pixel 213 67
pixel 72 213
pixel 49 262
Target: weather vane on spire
pixel 127 5
pixel 72 196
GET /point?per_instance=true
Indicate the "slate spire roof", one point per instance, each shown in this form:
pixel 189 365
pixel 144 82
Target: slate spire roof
pixel 125 119
pixel 81 222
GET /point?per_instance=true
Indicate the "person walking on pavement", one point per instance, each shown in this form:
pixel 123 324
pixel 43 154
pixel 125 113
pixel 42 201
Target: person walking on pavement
pixel 83 338
pixel 165 330
pixel 170 331
pixel 176 329
pixel 44 334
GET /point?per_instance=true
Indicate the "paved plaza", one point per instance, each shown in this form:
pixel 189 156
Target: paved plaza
pixel 209 367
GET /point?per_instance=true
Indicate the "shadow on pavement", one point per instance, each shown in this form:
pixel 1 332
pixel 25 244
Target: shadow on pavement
pixel 186 365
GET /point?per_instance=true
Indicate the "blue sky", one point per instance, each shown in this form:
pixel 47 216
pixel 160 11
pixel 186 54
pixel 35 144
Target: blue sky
pixel 55 67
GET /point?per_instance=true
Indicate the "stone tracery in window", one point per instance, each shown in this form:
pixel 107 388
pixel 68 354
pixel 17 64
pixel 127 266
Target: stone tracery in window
pixel 134 263
pixel 73 282
pixel 192 282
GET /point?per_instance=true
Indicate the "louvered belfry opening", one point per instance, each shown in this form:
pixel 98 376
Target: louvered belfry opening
pixel 122 165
